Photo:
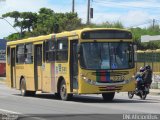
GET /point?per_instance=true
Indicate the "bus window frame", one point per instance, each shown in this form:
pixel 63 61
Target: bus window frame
pixel 26 53
pixel 20 54
pixel 62 50
pixel 46 49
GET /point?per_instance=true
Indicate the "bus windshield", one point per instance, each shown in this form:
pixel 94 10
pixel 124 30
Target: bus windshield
pixel 117 55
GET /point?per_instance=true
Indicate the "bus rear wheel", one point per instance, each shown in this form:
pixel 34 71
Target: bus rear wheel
pixel 25 92
pixel 108 96
pixel 63 92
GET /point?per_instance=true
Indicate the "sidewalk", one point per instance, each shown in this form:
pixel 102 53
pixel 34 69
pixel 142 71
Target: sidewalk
pixel 2 79
pixel 155 91
pixel 155 88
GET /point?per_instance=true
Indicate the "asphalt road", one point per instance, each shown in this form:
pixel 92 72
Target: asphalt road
pixel 47 107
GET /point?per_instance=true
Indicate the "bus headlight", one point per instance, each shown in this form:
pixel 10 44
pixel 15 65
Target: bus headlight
pixel 89 81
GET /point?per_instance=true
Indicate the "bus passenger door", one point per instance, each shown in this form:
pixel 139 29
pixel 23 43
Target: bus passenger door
pixel 13 69
pixel 38 66
pixel 73 64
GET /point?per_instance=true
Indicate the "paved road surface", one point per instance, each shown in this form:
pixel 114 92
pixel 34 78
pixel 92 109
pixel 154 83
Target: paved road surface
pixel 90 105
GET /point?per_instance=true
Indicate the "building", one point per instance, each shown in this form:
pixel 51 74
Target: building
pixel 2 57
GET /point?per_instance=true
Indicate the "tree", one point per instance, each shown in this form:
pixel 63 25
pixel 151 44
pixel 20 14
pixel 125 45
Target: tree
pixel 14 14
pixel 23 20
pixel 67 21
pixel 138 32
pixel 45 22
pixel 29 20
pixel 107 25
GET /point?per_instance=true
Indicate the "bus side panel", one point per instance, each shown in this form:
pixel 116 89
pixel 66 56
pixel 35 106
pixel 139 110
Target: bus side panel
pixel 46 83
pixel 19 73
pixel 62 70
pixel 29 76
pixel 25 71
pixel 8 75
pixel 53 78
pixel 8 69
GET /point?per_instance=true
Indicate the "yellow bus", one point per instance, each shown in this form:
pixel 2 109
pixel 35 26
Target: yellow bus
pixel 86 61
pixel 152 58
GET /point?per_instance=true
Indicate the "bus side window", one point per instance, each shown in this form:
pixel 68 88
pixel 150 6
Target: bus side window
pixel 62 49
pixel 28 54
pixel 50 51
pixel 20 56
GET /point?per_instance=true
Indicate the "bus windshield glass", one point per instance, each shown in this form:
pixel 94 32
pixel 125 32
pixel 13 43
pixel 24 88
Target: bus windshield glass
pixel 117 55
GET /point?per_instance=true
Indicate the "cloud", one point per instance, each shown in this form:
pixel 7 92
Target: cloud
pixel 18 5
pixel 130 13
pixel 27 5
pixel 135 18
pixel 128 3
pixel 128 19
pixel 5 28
pixel 103 17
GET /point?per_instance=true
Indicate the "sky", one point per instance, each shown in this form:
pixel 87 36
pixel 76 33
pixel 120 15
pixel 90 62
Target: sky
pixel 131 13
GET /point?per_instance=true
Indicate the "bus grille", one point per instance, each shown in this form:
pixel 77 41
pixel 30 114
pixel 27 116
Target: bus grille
pixel 110 88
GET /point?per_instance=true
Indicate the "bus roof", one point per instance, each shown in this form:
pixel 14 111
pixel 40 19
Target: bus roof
pixel 31 39
pixel 62 34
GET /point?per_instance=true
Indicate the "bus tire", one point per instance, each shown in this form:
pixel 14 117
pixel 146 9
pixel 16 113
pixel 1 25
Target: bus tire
pixel 63 92
pixel 130 94
pixel 23 87
pixel 108 96
pixel 25 92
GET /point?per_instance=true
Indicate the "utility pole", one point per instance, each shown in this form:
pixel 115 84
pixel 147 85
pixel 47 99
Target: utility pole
pixel 73 6
pixel 153 23
pixel 88 12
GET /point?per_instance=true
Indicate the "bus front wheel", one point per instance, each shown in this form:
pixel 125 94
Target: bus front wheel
pixel 108 96
pixel 63 92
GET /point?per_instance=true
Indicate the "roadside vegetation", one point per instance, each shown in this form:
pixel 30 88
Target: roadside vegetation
pixel 46 21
